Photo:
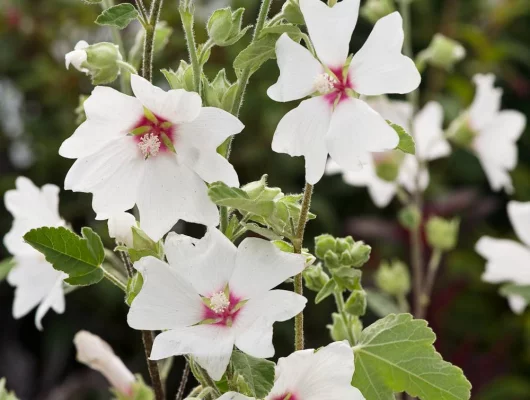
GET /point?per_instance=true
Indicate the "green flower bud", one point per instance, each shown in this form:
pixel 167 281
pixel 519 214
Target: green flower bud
pixel 442 234
pixel 259 189
pixel 182 78
pixel 348 278
pixel 387 165
pixel 373 10
pixel 323 243
pixel 338 329
pixel 315 278
pixel 217 91
pixel 443 52
pixel 292 13
pixel 99 60
pixel 356 303
pixel 360 254
pixel 331 260
pixel 344 244
pixel 394 278
pixel 224 26
pixel 410 217
pixel 460 131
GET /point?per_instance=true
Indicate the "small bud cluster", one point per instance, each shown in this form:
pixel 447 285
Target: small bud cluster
pixel 393 278
pixel 442 234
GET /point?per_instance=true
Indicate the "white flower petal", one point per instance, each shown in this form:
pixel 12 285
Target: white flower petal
pixel 76 58
pixel 210 345
pixel 428 133
pixel 519 214
pixel 170 191
pixel 399 112
pixel 379 67
pixel 110 115
pixel 382 192
pixel 487 101
pixel 322 375
pixel 330 29
pixel 298 70
pixel 254 322
pixel 207 263
pixel 165 301
pixel 197 143
pixel 408 172
pixel 261 266
pixel 54 299
pixel 517 303
pixel 506 261
pixel 112 175
pixel 302 132
pixel 355 130
pixel 120 228
pixel 175 105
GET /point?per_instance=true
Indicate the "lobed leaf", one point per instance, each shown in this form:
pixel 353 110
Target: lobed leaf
pixel 257 373
pixel 118 16
pixel 223 195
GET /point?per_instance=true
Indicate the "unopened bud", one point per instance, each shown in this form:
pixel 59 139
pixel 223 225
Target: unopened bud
pixel 443 52
pixel 182 78
pixel 332 260
pixel 374 10
pixel 460 131
pixel 442 234
pixel 292 13
pixel 98 355
pixel 356 303
pixel 224 26
pixel 347 277
pixel 360 254
pixel 410 217
pixel 393 278
pixel 387 165
pixel 99 60
pixel 315 278
pixel 338 329
pixel 120 228
pixel 323 243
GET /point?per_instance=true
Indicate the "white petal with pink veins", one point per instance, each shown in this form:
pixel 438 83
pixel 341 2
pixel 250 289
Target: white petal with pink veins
pixel 519 214
pixel 302 132
pixel 355 130
pixel 175 105
pixel 330 29
pixel 298 71
pixel 379 67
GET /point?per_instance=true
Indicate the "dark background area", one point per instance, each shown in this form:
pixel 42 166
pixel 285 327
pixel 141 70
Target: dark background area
pixel 475 327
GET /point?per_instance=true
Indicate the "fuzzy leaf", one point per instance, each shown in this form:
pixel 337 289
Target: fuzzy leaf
pixel 326 291
pixel 406 141
pixel 256 54
pixel 257 373
pixel 118 16
pixel 292 30
pixel 396 354
pixel 79 257
pixel 266 233
pixel 380 303
pixel 223 195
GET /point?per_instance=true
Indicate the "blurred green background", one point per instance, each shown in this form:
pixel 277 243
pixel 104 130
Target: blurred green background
pixel 38 97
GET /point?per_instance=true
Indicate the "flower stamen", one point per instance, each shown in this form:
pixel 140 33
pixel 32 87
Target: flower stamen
pixel 219 302
pixel 324 83
pixel 149 145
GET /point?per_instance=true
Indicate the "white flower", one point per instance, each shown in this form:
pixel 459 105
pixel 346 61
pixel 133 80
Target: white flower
pixel 334 121
pixel 36 282
pixel 162 166
pixel 430 145
pixel 507 260
pixel 98 355
pixel 120 228
pixel 77 57
pixel 324 374
pixel 495 133
pixel 213 295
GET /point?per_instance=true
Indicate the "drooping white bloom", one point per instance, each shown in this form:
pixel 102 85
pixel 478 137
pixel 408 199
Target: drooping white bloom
pixel 120 228
pixel 161 167
pixel 493 133
pixel 430 145
pixel 213 295
pixel 334 121
pixel 508 260
pixel 36 282
pixel 324 374
pixel 77 57
pixel 98 355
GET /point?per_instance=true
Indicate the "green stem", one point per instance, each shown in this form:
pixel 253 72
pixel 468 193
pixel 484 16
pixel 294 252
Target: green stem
pixel 114 280
pixel 183 381
pixel 204 379
pixel 149 42
pixel 127 66
pixel 152 366
pixel 432 269
pixel 339 300
pixel 187 24
pixel 298 282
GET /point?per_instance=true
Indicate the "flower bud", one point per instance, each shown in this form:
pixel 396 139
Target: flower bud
pixel 442 234
pixel 323 243
pixel 356 303
pixel 387 165
pixel 120 228
pixel 460 131
pixel 182 78
pixel 99 60
pixel 360 254
pixel 292 13
pixel 219 93
pixel 260 189
pixel 373 10
pixel 339 330
pixel 98 355
pixel 224 26
pixel 443 52
pixel 315 278
pixel 344 244
pixel 332 260
pixel 347 277
pixel 410 217
pixel 394 278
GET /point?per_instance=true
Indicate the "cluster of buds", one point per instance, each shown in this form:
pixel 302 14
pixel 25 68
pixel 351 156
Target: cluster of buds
pixel 393 278
pixel 442 234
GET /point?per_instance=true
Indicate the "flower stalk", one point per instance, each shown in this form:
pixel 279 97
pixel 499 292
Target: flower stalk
pixel 149 43
pixel 187 24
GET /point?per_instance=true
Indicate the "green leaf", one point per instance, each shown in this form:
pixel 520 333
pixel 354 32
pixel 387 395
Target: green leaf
pixel 223 195
pixel 381 304
pixel 6 265
pixel 292 30
pixel 266 233
pixel 511 289
pixel 406 142
pixel 256 54
pixel 4 394
pixel 118 16
pixel 79 257
pixel 257 373
pixel 396 354
pixel 326 291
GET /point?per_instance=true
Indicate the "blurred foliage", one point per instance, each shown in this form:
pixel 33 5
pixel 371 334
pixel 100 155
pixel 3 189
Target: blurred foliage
pixel 38 98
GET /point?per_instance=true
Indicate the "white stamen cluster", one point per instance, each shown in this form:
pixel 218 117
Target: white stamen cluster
pixel 324 83
pixel 149 145
pixel 219 302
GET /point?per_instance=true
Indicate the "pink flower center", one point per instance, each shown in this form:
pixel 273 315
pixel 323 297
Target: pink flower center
pixel 220 309
pixel 152 134
pixel 341 82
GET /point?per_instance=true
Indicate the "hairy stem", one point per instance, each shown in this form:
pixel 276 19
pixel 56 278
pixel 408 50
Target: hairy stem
pixel 298 282
pixel 339 300
pixel 187 24
pixel 149 42
pixel 183 381
pixel 114 279
pixel 432 269
pixel 148 338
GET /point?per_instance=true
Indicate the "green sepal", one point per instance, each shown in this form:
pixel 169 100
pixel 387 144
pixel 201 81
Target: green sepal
pixel 134 285
pixel 168 143
pixel 326 291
